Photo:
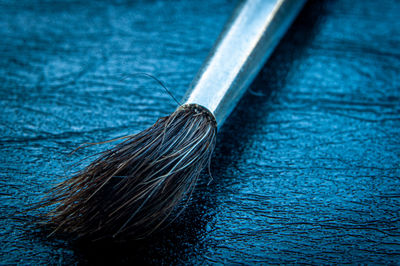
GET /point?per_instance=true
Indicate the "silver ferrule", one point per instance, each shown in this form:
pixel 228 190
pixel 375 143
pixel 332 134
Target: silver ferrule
pixel 243 47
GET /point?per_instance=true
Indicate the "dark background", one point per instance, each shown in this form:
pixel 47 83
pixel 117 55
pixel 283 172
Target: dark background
pixel 306 168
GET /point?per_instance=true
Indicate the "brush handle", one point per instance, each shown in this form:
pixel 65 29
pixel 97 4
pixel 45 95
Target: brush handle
pixel 244 45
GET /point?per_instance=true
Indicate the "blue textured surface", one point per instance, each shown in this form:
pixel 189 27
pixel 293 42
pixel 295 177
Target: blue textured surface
pixel 306 168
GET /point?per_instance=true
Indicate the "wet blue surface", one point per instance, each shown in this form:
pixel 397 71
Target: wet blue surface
pixel 306 169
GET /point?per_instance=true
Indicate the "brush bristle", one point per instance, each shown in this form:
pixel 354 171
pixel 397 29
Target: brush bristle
pixel 134 187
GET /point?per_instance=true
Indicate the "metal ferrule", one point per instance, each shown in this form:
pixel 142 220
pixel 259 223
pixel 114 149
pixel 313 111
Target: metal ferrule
pixel 243 47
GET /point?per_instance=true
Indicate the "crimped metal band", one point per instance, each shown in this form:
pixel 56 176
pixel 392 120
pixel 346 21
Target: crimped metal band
pixel 198 109
pixel 247 41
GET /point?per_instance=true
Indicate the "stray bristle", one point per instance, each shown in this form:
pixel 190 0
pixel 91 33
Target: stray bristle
pixel 133 188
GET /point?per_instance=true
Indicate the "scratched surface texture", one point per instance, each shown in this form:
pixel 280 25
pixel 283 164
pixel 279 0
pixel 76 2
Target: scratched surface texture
pixel 306 169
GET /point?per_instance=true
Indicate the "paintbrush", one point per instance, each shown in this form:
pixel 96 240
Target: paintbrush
pixel 132 188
